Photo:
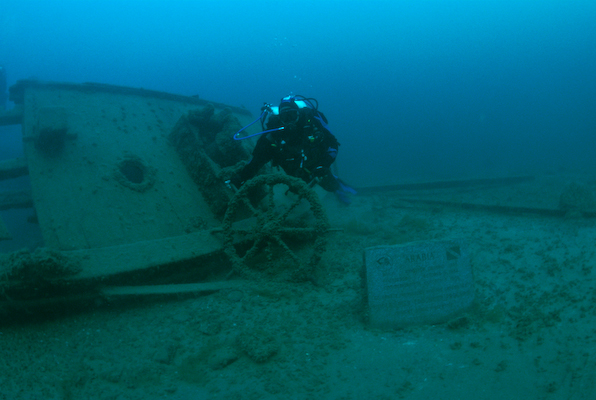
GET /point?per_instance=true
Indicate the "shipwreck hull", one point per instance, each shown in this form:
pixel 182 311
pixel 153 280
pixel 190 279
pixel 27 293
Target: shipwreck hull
pixel 122 179
pixel 103 171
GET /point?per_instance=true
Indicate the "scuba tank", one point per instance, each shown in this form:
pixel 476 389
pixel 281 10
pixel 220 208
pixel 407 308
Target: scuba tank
pixel 268 111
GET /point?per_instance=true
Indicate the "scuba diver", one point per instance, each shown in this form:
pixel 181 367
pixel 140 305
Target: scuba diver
pixel 3 87
pixel 295 137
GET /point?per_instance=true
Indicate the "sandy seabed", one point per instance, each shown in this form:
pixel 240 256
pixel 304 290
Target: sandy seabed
pixel 529 335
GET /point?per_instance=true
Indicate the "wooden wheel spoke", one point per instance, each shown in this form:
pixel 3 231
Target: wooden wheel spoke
pixel 253 250
pixel 269 254
pixel 241 231
pixel 260 220
pixel 298 231
pixel 270 201
pixel 291 208
pixel 249 205
pixel 285 247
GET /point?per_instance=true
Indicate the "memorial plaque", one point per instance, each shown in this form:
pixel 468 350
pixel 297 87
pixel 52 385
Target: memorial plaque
pixel 418 283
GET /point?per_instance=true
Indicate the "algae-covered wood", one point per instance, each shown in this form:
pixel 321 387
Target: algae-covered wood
pixel 114 260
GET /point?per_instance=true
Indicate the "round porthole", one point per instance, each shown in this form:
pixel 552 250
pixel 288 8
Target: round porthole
pixel 133 173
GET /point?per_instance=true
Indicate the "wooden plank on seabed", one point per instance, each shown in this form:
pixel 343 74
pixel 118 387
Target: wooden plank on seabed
pixel 13 168
pixel 4 234
pixel 12 117
pixel 113 260
pixel 15 199
pixel 493 207
pixel 172 289
pixel 445 184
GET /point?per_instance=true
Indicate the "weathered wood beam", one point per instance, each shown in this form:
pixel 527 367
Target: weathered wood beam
pixel 445 184
pixel 13 168
pixel 4 234
pixel 16 199
pixel 113 260
pixel 497 208
pixel 11 117
pixel 173 289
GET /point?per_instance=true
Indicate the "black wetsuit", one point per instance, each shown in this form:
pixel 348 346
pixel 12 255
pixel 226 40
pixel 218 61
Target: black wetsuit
pixel 305 150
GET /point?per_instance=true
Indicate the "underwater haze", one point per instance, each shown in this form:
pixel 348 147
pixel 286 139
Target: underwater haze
pixel 431 90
